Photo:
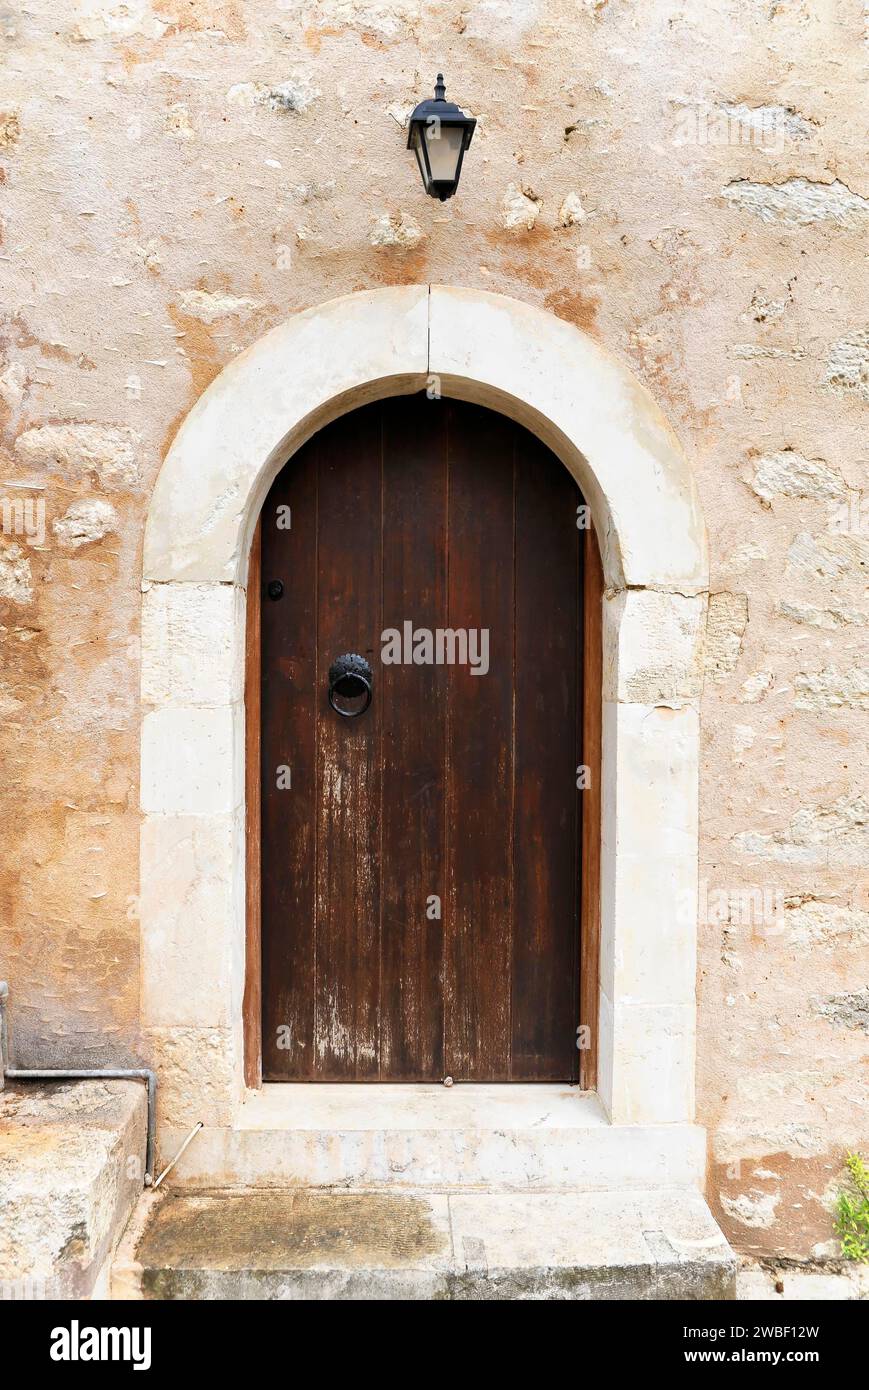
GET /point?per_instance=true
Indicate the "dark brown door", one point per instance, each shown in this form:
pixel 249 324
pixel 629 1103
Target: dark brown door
pixel 420 879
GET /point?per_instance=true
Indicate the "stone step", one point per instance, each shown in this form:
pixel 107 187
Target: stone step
pixel 72 1159
pixel 512 1138
pixel 315 1244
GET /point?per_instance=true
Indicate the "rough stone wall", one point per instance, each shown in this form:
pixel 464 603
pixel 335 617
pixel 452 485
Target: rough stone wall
pixel 684 182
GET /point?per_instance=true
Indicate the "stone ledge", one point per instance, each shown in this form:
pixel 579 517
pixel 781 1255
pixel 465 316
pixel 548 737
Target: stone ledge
pixel 425 1246
pixel 72 1158
pixel 794 1281
pixel 543 1138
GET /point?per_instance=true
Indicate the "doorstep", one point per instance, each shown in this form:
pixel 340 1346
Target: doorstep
pixel 72 1160
pixel 499 1138
pixel 305 1244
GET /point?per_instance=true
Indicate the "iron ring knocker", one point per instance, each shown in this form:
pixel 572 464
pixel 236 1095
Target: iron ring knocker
pixel 349 678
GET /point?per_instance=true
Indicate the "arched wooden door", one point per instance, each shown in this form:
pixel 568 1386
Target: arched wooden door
pixel 420 863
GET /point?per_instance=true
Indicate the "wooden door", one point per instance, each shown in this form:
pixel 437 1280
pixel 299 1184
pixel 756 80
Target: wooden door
pixel 420 862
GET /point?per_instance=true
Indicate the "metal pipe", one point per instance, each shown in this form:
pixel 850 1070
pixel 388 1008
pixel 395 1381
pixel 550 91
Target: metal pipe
pixel 82 1074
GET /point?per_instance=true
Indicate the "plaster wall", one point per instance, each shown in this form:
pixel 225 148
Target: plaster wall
pixel 687 185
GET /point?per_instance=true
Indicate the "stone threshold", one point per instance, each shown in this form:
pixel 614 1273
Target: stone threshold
pixel 364 1245
pixel 497 1138
pixel 355 1106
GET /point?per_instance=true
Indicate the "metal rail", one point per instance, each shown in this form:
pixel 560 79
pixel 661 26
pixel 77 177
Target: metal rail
pixel 81 1074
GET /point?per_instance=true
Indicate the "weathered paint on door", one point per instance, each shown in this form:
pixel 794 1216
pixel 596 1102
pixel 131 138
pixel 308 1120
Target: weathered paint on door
pixel 420 867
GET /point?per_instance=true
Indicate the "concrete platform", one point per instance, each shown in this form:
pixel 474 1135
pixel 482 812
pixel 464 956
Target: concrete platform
pixel 72 1158
pixel 424 1245
pixel 499 1138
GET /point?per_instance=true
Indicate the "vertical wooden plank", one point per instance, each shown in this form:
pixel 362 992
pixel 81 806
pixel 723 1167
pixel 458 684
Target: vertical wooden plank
pixel 479 748
pixel 347 976
pixel 545 1010
pixel 252 1002
pixel 413 714
pixel 289 696
pixel 592 715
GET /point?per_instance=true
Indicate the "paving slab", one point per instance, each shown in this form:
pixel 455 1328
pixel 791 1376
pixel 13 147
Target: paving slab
pixel 376 1245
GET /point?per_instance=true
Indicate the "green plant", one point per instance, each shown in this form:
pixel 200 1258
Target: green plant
pixel 852 1211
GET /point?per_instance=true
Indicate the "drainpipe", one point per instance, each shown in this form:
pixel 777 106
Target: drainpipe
pixel 91 1074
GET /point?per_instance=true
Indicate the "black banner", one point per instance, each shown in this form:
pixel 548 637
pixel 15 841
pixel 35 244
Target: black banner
pixel 211 1338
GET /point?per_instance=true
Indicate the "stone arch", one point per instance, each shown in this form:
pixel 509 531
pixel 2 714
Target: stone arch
pixel 607 430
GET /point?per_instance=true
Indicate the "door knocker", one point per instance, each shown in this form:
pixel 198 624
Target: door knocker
pixel 351 682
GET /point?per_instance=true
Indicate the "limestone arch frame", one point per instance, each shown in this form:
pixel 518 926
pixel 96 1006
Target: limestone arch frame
pixel 603 424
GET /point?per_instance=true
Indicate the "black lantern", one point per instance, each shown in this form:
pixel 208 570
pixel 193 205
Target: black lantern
pixel 439 134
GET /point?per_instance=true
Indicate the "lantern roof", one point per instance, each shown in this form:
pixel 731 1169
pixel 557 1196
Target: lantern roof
pixel 438 108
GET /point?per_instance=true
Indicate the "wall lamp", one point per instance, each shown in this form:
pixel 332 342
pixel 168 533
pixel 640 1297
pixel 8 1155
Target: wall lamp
pixel 439 134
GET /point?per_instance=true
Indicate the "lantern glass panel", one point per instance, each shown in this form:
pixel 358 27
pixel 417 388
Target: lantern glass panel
pixel 420 157
pixel 444 144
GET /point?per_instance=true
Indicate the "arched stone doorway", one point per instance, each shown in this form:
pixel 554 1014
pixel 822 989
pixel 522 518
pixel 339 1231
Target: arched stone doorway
pixel 608 432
